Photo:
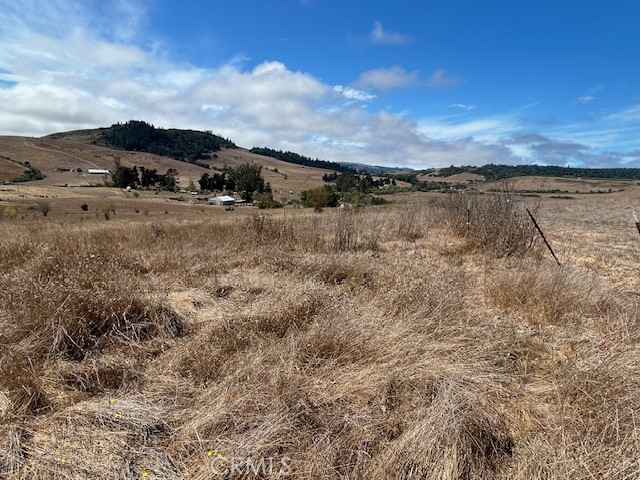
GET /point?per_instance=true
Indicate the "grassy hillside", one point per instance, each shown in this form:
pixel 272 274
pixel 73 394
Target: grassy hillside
pixel 392 342
pixel 65 159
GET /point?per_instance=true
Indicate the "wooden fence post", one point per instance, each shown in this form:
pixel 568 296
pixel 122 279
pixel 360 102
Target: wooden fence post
pixel 635 219
pixel 543 237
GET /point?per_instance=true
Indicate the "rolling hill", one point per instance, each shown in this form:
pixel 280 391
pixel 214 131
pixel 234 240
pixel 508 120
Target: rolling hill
pixel 66 157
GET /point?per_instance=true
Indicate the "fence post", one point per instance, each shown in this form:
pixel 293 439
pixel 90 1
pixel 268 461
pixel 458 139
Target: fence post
pixel 543 237
pixel 635 219
pixel 468 216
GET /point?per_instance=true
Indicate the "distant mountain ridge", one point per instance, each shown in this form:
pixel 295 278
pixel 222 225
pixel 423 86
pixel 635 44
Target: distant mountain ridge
pixel 375 169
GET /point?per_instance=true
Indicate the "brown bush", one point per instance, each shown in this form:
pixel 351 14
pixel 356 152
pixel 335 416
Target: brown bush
pixel 493 223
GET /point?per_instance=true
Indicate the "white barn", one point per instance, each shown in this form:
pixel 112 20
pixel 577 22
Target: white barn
pixel 223 200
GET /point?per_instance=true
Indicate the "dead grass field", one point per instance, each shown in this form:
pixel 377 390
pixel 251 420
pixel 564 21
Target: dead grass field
pixel 567 186
pixel 377 344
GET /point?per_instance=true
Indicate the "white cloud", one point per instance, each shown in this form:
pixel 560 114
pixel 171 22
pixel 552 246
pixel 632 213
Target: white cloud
pixel 387 78
pixel 462 106
pixel 380 36
pixel 354 94
pixel 583 100
pixel 442 79
pixel 631 114
pixel 487 130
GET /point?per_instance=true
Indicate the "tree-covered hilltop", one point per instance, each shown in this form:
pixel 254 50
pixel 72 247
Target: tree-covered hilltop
pixel 291 157
pixel 493 172
pixel 184 145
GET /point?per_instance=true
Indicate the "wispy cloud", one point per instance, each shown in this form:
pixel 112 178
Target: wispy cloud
pixel 396 77
pixel 387 78
pixel 486 130
pixel 583 100
pixel 380 36
pixel 462 106
pixel 631 114
pixel 443 79
pixel 354 94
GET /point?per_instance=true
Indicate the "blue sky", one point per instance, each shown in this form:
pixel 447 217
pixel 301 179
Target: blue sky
pixel 409 83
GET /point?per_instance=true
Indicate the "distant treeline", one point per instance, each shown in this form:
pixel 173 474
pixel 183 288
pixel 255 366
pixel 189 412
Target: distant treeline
pixel 291 157
pixel 184 145
pixel 497 172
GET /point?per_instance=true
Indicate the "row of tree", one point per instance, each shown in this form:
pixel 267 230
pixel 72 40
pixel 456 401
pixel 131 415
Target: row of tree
pixel 216 182
pixel 134 177
pixel 348 181
pixel 327 196
pixel 245 178
pixel 291 157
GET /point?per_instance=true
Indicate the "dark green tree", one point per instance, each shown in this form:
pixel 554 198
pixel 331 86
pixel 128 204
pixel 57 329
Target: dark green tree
pixel 346 181
pixel 124 177
pixel 168 180
pixel 247 179
pixel 319 197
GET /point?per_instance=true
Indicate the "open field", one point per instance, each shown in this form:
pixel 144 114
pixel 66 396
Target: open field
pixel 378 344
pixel 561 185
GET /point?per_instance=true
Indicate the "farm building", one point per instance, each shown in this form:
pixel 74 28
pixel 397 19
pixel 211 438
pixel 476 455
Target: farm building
pixel 98 171
pixel 225 200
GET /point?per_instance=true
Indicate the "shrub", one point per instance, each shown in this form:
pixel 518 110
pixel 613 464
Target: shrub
pixel 319 198
pixel 44 207
pixel 266 200
pixel 84 207
pixel 496 224
pixel 108 209
pixel 30 174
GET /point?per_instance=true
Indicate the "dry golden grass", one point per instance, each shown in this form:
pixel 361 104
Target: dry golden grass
pixel 376 344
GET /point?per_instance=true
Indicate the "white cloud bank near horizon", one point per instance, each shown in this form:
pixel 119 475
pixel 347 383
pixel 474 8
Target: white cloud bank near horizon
pixel 66 76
